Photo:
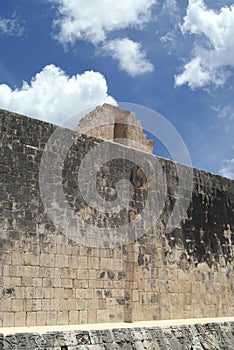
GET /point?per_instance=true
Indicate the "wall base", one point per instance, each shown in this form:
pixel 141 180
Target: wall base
pixel 160 335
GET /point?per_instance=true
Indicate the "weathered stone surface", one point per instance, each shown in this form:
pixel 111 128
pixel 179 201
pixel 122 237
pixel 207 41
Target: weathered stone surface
pixel 47 278
pixel 115 124
pixel 197 337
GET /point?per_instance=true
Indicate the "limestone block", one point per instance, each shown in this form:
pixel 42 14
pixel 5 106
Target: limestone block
pixel 69 293
pixel 19 291
pixel 81 294
pixel 20 319
pixel 92 316
pixel 51 317
pixel 37 282
pixel 9 319
pixel 61 261
pixel 5 271
pixel 41 318
pixel 31 318
pixel 73 262
pixel 102 316
pixel 18 305
pixel 46 304
pixel 80 304
pixel 5 305
pixel 26 281
pixel 48 293
pixel 31 259
pixel 82 262
pixel 33 304
pixel 47 260
pixel 57 282
pixel 73 317
pixel 83 317
pixel 62 317
pixel 67 282
pixel 17 258
pixel 71 304
pixel 57 304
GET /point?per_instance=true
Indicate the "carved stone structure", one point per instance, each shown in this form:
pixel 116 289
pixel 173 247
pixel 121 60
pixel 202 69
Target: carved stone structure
pixel 46 278
pixel 114 124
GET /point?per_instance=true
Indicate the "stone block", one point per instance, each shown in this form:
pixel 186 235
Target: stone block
pixel 20 319
pixel 92 316
pixel 103 316
pixel 31 259
pixel 83 316
pixel 9 319
pixel 17 305
pixel 41 318
pixel 73 317
pixel 31 318
pixel 17 258
pixel 61 261
pixel 51 318
pixel 5 305
pixel 62 317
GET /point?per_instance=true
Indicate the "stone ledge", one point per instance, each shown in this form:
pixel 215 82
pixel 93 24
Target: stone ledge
pixel 196 334
pixel 103 326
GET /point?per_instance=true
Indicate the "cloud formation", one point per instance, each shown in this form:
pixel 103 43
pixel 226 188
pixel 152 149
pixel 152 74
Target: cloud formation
pixel 11 26
pixel 170 8
pixel 130 56
pixel 53 96
pixel 93 20
pixel 210 62
pixel 227 169
pixel 226 112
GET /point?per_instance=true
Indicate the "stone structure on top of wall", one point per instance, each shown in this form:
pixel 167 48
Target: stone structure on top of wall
pixel 46 278
pixel 115 124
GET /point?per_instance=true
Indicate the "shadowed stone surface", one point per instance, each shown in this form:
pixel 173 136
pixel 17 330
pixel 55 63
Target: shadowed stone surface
pixel 211 336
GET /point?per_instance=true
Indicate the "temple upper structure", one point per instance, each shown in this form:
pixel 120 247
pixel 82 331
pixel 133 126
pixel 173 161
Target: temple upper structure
pixel 115 124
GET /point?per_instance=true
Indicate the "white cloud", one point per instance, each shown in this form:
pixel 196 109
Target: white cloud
pixel 168 37
pixel 11 26
pixel 209 65
pixel 170 8
pixel 197 75
pixel 92 20
pixel 53 96
pixel 227 169
pixel 226 112
pixel 170 42
pixel 130 56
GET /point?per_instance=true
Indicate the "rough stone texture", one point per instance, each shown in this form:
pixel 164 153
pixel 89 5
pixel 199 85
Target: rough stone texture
pixel 47 278
pixel 114 124
pixel 211 336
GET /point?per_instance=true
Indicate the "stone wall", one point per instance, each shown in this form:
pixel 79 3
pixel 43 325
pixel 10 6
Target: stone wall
pixel 48 278
pixel 199 336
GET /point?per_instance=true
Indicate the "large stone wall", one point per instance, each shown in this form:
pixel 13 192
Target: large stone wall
pixel 48 278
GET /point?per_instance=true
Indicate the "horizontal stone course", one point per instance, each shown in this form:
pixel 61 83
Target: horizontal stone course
pixel 208 336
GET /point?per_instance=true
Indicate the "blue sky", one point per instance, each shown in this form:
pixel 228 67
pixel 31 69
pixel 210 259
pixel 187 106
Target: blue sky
pixel 176 57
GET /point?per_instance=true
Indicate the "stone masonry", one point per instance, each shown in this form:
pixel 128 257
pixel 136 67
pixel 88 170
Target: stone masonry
pixel 115 124
pixel 199 336
pixel 47 278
